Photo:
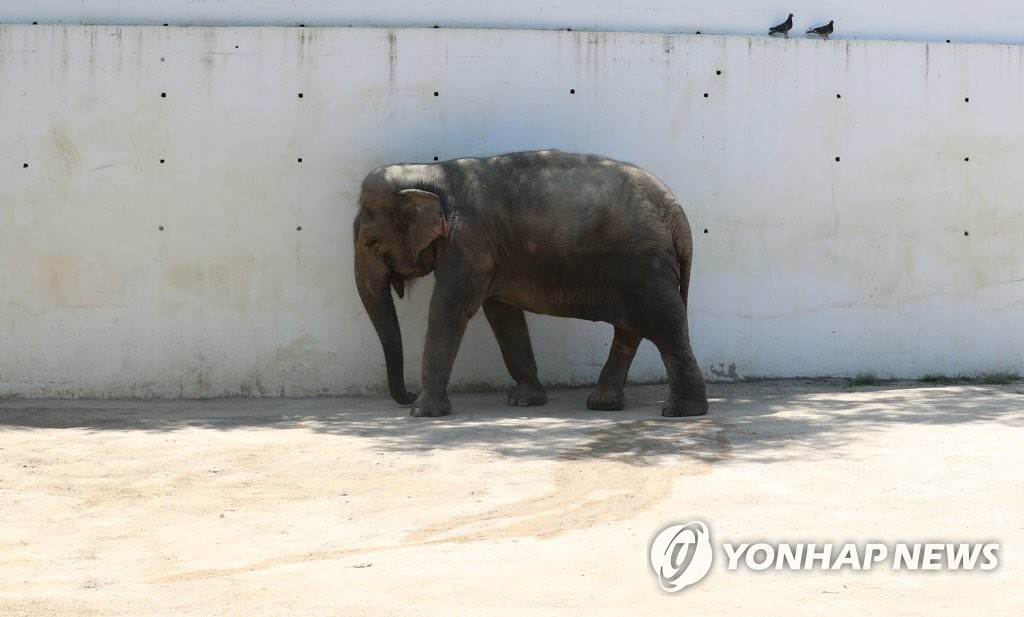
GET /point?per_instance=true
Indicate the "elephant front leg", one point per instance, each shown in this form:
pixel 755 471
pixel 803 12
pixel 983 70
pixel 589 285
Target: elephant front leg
pixel 450 311
pixel 509 326
pixel 608 394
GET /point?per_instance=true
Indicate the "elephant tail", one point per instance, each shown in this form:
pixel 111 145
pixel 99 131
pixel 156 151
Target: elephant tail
pixel 684 252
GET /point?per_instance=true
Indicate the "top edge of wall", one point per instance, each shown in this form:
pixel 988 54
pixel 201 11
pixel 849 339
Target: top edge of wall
pixel 983 21
pixel 720 35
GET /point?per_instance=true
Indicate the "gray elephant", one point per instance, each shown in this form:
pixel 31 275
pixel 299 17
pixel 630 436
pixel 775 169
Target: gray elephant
pixel 547 232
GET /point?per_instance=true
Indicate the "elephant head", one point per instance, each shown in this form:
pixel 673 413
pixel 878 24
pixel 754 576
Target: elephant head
pixel 396 234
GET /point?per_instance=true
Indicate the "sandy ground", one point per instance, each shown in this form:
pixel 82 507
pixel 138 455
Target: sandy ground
pixel 351 507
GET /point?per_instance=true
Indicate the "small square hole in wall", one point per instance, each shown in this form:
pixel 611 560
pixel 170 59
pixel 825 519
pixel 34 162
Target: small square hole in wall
pixel 163 95
pixel 300 159
pixel 837 159
pixel 437 94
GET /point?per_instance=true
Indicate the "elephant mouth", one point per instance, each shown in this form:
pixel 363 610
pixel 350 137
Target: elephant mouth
pixel 402 279
pixel 398 283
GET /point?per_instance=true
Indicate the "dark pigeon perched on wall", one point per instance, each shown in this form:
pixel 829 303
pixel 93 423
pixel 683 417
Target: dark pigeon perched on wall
pixel 822 31
pixel 783 28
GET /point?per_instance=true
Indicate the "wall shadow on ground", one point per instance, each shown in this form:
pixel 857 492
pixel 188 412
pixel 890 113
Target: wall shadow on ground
pixel 763 421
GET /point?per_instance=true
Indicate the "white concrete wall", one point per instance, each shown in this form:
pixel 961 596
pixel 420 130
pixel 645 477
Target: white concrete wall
pixel 150 244
pixel 980 21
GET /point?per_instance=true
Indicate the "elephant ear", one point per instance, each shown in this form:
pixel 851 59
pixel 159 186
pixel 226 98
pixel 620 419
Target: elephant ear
pixel 424 219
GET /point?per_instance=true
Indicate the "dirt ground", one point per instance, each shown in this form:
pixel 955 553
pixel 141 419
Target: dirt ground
pixel 351 507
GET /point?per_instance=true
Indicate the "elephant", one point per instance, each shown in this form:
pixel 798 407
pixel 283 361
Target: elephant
pixel 549 232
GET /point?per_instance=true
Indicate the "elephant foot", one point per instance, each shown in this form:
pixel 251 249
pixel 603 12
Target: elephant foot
pixel 685 408
pixel 526 395
pixel 606 398
pixel 429 406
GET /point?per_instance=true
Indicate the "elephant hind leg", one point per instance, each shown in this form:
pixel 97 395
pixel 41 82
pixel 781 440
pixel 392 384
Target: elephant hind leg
pixel 608 395
pixel 509 326
pixel 687 390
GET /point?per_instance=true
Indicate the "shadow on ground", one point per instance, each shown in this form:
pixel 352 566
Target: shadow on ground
pixel 760 418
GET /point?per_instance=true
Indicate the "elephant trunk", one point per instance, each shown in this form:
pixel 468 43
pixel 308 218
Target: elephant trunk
pixel 372 281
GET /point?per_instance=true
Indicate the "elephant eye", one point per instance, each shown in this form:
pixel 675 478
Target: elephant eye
pixel 372 244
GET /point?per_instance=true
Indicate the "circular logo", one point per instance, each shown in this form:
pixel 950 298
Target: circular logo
pixel 681 555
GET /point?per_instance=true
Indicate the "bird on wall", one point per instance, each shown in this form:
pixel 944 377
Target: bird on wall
pixel 782 28
pixel 822 31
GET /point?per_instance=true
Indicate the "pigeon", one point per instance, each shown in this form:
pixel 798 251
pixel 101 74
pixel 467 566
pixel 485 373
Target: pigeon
pixel 782 28
pixel 822 31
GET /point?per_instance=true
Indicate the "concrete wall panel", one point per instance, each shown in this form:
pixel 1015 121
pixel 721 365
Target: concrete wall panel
pixel 152 195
